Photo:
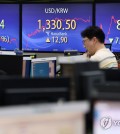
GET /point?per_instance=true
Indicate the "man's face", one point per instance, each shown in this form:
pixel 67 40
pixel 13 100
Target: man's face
pixel 89 45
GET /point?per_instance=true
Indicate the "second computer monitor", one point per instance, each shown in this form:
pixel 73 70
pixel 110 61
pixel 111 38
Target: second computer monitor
pixel 43 67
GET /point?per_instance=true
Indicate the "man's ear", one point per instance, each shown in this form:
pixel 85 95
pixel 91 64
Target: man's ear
pixel 95 39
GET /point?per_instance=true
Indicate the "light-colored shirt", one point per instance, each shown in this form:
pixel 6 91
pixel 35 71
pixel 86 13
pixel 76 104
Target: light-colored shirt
pixel 105 58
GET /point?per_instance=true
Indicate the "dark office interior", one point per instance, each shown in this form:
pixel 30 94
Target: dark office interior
pixel 46 86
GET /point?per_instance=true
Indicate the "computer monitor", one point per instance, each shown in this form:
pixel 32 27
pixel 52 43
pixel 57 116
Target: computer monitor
pixel 106 117
pixel 43 67
pixel 82 74
pixel 17 90
pixel 11 64
pixel 105 103
pixel 9 26
pixel 55 118
pixel 107 17
pixel 54 27
pixel 84 82
pixel 111 74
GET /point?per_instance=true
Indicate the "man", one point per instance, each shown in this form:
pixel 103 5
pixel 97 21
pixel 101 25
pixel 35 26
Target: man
pixel 93 40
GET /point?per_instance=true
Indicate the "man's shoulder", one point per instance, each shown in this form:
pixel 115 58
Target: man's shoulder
pixel 102 54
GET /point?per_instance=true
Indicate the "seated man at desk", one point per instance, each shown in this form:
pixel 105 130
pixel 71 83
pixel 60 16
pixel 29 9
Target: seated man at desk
pixel 93 40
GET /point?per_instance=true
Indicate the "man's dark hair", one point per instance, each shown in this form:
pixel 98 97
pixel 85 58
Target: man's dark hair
pixel 93 31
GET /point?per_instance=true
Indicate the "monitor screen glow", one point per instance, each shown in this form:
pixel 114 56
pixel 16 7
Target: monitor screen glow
pixel 9 26
pixel 109 20
pixel 54 27
pixel 106 117
pixel 43 67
